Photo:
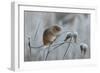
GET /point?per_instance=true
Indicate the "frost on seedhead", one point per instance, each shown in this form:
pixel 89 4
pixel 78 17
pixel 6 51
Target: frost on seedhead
pixel 83 48
pixel 75 36
pixel 69 36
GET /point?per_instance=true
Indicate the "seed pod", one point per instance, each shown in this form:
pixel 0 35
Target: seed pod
pixel 69 36
pixel 75 36
pixel 83 48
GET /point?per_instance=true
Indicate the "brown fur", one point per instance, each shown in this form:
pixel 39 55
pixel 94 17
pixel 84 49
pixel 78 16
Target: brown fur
pixel 49 34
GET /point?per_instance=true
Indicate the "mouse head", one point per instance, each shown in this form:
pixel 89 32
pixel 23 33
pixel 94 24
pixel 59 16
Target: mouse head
pixel 56 29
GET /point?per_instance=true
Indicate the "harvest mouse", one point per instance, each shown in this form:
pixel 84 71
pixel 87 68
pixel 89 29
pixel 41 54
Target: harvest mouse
pixel 50 35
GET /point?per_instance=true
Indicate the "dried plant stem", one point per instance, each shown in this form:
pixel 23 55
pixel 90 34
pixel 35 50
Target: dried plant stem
pixel 47 55
pixel 57 46
pixel 29 45
pixel 48 51
pixel 52 50
pixel 37 31
pixel 67 48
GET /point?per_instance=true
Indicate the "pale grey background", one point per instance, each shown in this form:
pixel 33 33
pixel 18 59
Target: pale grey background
pixel 46 19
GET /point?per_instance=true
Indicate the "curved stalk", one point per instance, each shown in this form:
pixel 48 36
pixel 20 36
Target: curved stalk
pixel 47 55
pixel 67 48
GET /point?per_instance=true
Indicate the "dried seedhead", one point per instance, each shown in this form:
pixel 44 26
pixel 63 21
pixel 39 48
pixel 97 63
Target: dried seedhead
pixel 83 48
pixel 69 36
pixel 75 36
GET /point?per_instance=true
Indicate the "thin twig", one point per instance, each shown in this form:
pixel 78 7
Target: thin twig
pixel 36 31
pixel 67 48
pixel 47 55
pixel 57 46
pixel 29 45
pixel 48 49
pixel 53 49
pixel 51 45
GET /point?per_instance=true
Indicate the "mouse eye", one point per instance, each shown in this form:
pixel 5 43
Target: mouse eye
pixel 57 28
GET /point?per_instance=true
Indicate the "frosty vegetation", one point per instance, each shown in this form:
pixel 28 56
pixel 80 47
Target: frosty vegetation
pixel 72 43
